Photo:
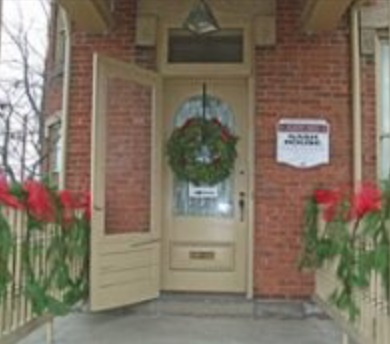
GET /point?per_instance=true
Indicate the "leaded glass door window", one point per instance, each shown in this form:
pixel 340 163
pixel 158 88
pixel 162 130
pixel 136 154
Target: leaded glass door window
pixel 202 200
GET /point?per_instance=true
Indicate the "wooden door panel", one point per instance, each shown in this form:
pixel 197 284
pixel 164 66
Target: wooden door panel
pixel 125 240
pixel 207 251
pixel 114 270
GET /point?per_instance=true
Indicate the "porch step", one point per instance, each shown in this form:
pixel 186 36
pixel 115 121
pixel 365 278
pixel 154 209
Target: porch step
pixel 227 306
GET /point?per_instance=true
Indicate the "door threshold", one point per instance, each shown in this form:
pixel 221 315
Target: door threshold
pixel 226 305
pixel 203 297
pixel 199 304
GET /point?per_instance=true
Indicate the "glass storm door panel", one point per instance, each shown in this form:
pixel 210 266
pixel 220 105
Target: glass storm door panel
pixel 206 227
pixel 125 242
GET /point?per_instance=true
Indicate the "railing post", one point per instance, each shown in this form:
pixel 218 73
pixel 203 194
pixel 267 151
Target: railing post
pixel 356 96
pixel 345 339
pixel 50 332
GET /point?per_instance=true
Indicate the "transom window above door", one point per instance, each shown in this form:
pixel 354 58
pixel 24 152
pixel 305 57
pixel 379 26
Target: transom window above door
pixel 224 46
pixel 225 52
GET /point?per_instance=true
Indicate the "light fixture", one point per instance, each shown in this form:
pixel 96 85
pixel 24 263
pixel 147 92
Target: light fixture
pixel 201 19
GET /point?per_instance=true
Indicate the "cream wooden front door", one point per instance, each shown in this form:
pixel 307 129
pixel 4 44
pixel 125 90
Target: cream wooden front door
pixel 125 237
pixel 206 230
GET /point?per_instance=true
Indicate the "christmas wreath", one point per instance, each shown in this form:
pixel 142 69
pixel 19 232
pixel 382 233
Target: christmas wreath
pixel 202 151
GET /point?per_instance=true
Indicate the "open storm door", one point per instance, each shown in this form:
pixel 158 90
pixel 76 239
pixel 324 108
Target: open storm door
pixel 125 240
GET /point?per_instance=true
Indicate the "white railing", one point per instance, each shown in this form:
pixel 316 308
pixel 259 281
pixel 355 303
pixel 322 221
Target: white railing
pixel 373 324
pixel 17 318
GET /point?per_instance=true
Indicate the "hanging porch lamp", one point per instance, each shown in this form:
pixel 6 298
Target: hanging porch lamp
pixel 201 19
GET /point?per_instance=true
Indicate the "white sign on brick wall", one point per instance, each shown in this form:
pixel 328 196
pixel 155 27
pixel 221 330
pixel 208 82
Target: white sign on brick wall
pixel 303 143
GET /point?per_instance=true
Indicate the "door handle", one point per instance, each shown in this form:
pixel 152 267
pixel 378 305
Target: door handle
pixel 241 205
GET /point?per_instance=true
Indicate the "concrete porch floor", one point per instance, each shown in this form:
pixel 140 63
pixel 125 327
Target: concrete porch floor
pixel 129 327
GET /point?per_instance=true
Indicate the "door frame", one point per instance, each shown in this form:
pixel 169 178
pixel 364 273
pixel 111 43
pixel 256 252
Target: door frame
pixel 243 70
pixel 251 164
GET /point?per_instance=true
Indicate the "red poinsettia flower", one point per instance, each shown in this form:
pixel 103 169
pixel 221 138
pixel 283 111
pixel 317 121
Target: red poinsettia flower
pixel 67 200
pixel 367 200
pixel 86 206
pixel 68 204
pixel 324 196
pixel 38 201
pixel 5 197
pixel 330 199
pixel 330 212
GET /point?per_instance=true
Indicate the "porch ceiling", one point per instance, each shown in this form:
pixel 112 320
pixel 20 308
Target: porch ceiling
pixel 323 15
pixel 95 15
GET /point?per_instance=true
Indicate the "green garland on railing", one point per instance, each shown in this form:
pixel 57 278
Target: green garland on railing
pixel 63 248
pixel 355 237
pixel 56 237
pixel 6 248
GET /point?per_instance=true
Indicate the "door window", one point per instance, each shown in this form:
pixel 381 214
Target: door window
pixel 384 130
pixel 128 156
pixel 204 201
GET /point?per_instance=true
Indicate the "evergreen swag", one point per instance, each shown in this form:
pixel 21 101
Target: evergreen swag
pixel 355 238
pixel 57 235
pixel 189 144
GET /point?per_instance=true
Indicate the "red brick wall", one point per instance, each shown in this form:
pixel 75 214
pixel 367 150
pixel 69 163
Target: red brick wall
pixel 308 77
pixel 302 76
pixel 128 126
pixel 119 43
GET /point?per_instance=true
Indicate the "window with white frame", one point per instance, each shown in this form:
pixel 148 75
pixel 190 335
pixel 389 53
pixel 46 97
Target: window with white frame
pixel 60 41
pixel 384 118
pixel 54 148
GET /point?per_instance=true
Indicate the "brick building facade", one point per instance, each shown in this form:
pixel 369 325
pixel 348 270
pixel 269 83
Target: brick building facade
pixel 300 75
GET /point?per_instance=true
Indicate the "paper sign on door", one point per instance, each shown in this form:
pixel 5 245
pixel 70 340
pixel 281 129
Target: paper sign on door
pixel 203 191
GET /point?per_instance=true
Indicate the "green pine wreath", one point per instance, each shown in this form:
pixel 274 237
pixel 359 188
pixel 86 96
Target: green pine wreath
pixel 202 151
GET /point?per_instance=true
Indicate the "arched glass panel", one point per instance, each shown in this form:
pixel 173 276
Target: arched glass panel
pixel 204 201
